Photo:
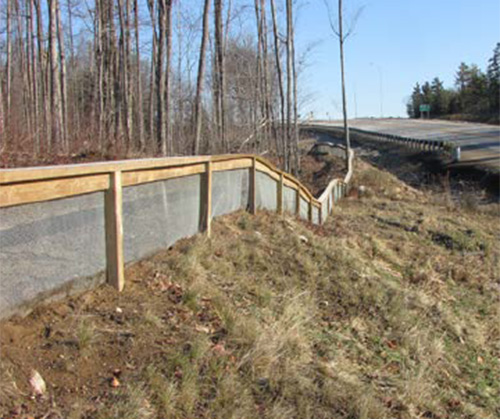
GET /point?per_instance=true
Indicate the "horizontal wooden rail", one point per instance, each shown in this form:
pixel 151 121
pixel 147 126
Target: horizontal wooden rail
pixel 37 184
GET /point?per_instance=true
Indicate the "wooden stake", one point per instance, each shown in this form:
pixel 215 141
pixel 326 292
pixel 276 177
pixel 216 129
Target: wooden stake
pixel 114 232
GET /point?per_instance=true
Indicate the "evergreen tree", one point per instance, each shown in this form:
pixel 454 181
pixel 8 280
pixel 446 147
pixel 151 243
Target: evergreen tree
pixel 439 98
pixel 415 101
pixel 493 76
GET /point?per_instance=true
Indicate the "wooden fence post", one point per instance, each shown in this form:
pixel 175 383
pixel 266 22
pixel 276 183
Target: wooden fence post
pixel 114 232
pixel 280 195
pixel 206 200
pixel 310 212
pixel 253 187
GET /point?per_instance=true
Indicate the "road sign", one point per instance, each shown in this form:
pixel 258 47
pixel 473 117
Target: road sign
pixel 425 108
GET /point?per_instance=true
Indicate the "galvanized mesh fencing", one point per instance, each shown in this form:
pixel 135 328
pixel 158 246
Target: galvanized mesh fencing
pixel 67 228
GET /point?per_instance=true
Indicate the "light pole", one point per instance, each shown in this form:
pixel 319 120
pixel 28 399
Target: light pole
pixel 381 87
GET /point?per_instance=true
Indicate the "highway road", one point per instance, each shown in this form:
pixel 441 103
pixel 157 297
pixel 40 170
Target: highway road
pixel 479 143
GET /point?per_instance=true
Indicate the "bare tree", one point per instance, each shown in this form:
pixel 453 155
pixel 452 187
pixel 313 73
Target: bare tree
pixel 2 118
pixel 80 80
pixel 219 75
pixel 153 71
pixel 160 78
pixel 33 75
pixel 55 90
pixel 291 107
pixel 168 80
pixel 138 82
pixel 63 82
pixel 8 65
pixel 338 30
pixel 281 89
pixel 200 77
pixel 124 75
pixel 42 68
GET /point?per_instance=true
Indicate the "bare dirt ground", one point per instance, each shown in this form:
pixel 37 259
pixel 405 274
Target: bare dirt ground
pixel 389 310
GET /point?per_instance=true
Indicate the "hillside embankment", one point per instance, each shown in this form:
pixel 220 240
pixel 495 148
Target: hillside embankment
pixel 388 310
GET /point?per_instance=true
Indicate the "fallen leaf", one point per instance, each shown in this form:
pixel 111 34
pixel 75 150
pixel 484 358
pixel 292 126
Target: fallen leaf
pixel 203 329
pixel 37 383
pixel 219 349
pixel 114 382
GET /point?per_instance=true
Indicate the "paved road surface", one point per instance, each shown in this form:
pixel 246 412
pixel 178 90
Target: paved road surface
pixel 479 143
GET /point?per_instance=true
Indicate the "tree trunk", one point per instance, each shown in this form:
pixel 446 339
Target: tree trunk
pixel 2 119
pixel 8 64
pixel 295 102
pixel 220 91
pixel 124 71
pixel 64 92
pixel 34 77
pixel 289 79
pixel 160 79
pixel 26 97
pixel 152 75
pixel 168 80
pixel 200 79
pixel 42 68
pixel 344 103
pixel 55 91
pixel 280 87
pixel 259 99
pixel 99 79
pixel 138 83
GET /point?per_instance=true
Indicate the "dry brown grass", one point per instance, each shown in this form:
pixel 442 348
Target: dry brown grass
pixel 390 310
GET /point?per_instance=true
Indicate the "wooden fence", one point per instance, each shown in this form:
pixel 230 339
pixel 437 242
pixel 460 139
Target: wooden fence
pixel 32 185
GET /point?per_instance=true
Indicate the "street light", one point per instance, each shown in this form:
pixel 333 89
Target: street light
pixel 381 86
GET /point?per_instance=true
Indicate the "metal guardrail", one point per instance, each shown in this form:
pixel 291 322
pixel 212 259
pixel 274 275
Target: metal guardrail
pixel 446 147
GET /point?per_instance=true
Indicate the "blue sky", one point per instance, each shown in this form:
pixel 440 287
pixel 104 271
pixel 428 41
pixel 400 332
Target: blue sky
pixel 396 43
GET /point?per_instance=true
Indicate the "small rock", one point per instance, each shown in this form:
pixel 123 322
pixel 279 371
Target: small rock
pixel 114 382
pixel 303 239
pixel 119 310
pixel 37 383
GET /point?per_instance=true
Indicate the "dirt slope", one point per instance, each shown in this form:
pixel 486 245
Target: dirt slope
pixel 389 310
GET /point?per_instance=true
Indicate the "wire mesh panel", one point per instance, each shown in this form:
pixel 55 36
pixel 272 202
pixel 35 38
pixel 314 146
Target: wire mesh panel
pixel 289 199
pixel 304 209
pixel 45 247
pixel 230 191
pixel 315 215
pixel 324 209
pixel 157 214
pixel 267 192
pixel 336 193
